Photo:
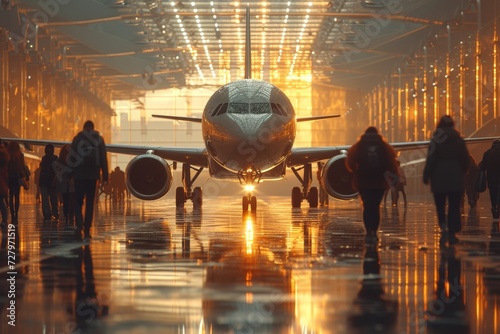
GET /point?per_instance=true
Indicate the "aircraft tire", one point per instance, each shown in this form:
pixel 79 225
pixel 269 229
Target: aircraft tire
pixel 253 203
pixel 244 203
pixel 180 198
pixel 312 197
pixel 197 197
pixel 296 197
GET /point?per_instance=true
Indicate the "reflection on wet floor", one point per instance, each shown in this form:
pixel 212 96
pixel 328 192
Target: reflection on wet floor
pixel 152 268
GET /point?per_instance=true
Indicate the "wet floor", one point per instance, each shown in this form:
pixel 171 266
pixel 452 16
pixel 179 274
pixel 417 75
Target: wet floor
pixel 153 269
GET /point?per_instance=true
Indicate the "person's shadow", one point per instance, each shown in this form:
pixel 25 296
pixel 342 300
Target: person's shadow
pixel 446 312
pixel 87 305
pixel 372 308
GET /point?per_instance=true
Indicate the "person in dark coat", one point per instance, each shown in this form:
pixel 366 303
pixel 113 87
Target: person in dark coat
pixel 491 164
pixel 88 145
pixel 445 168
pixel 17 170
pixel 47 183
pixel 65 184
pixel 371 182
pixel 4 183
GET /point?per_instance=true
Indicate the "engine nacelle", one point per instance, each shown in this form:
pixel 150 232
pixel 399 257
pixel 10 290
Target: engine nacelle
pixel 337 180
pixel 148 177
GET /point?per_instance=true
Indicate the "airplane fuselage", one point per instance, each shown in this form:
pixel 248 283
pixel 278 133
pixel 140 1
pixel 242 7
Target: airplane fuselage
pixel 249 125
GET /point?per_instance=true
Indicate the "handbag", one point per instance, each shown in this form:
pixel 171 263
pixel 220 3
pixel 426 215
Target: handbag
pixel 480 184
pixel 24 183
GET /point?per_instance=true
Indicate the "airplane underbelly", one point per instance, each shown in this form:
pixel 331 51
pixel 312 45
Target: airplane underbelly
pixel 245 154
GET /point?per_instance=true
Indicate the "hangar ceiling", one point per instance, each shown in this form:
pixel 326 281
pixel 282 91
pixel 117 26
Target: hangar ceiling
pixel 140 45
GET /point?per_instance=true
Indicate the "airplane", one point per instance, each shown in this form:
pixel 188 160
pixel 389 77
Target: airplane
pixel 248 128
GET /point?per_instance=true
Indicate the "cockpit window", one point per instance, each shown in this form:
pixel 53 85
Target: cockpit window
pixel 238 108
pixel 249 108
pixel 278 109
pixel 221 109
pixel 259 108
pixel 283 110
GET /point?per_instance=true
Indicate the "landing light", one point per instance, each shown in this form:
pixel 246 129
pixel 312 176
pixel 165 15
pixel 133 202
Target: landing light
pixel 249 187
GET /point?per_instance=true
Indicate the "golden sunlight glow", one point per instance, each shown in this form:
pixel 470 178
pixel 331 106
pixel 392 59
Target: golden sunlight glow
pixel 249 188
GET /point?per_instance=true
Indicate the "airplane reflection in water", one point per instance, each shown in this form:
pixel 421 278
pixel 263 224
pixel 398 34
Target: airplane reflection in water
pixel 158 269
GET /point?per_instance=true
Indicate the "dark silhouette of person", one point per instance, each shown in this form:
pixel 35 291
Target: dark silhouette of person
pixel 491 164
pixel 36 180
pixel 117 181
pixel 47 182
pixel 16 172
pixel 400 186
pixel 372 308
pixel 4 183
pixel 445 168
pixel 323 196
pixel 88 145
pixel 470 183
pixel 371 182
pixel 65 184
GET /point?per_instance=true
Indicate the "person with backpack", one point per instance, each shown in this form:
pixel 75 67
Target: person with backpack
pixel 89 152
pixel 491 164
pixel 373 164
pixel 445 168
pixel 47 184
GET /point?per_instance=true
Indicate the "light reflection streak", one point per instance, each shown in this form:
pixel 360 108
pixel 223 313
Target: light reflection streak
pixel 249 237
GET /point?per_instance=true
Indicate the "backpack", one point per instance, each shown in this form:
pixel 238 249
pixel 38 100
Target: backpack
pixel 372 160
pixel 47 171
pixel 87 149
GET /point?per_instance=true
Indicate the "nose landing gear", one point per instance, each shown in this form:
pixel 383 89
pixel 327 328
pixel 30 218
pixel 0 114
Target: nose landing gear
pixel 248 179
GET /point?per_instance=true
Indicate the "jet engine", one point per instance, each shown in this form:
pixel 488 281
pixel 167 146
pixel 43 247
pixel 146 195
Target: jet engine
pixel 148 177
pixel 337 180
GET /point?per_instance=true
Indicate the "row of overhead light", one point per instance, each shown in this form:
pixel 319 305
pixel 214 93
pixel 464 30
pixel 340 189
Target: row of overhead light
pixel 240 35
pixel 194 52
pixel 299 39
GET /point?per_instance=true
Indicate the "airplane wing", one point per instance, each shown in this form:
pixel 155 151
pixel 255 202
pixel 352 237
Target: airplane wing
pixel 304 155
pixel 194 156
pixel 179 118
pixel 314 118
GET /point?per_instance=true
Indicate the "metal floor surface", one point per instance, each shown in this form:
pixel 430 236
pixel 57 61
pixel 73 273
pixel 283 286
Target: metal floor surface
pixel 151 268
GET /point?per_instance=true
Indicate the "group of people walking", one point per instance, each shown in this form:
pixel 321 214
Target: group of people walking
pixel 375 170
pixel 73 175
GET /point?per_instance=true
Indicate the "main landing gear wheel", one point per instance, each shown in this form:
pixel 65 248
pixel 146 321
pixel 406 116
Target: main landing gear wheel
pixel 312 197
pixel 296 197
pixel 180 198
pixel 307 192
pixel 182 194
pixel 197 197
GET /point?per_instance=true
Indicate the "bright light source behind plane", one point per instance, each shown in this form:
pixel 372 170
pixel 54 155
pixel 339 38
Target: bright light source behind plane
pixel 249 188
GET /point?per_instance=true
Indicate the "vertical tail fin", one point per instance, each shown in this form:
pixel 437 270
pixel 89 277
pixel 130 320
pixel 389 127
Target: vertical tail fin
pixel 248 49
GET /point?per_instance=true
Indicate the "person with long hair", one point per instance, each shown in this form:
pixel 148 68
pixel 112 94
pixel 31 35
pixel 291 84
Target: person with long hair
pixel 16 172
